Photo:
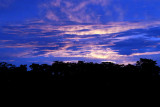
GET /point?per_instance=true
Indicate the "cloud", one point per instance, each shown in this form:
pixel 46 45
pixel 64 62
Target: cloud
pixel 52 16
pixel 120 42
pixel 100 11
pixel 56 3
pixel 145 53
pixel 107 29
pixel 3 41
pixel 92 52
pixel 92 30
pixel 70 10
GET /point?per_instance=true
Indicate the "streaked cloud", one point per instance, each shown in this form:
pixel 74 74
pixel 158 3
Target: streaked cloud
pixel 69 30
pixel 146 53
pixel 73 10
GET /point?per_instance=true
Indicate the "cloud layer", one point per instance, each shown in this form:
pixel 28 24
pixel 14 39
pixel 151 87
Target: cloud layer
pixel 92 30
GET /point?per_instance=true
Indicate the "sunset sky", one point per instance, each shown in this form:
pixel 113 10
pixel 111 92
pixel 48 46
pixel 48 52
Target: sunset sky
pixel 43 31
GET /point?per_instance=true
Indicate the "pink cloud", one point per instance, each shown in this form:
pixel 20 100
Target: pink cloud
pixel 73 11
pixel 56 3
pixel 50 15
pixel 145 53
pixel 5 41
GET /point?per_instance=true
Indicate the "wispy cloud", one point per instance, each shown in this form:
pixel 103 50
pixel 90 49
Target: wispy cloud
pixel 145 53
pixel 52 16
pixel 93 30
pixel 110 28
pixel 73 11
pixel 92 42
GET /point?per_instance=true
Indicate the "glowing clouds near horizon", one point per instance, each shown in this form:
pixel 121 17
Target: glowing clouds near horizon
pixel 91 42
pixel 92 30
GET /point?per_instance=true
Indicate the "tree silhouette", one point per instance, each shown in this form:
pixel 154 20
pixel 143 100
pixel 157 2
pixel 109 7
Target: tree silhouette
pixel 148 66
pixel 81 75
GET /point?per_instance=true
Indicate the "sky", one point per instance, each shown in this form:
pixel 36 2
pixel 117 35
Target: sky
pixel 43 31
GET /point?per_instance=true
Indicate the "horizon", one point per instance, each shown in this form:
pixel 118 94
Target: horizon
pixel 120 31
pixel 76 62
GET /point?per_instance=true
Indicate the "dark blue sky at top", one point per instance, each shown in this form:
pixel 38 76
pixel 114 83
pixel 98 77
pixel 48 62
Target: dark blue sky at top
pixel 133 10
pixel 43 31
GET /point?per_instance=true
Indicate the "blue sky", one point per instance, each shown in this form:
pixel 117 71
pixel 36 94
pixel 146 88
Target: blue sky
pixel 43 31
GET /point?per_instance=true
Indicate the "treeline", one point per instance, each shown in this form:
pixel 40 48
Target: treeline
pixel 60 75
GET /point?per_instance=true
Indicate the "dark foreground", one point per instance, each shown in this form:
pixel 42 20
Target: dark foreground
pixel 82 79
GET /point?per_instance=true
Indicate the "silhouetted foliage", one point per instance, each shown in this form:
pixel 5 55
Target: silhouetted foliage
pixel 81 75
